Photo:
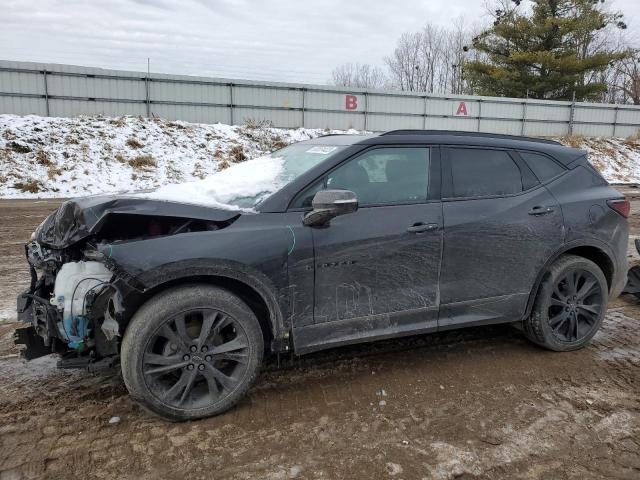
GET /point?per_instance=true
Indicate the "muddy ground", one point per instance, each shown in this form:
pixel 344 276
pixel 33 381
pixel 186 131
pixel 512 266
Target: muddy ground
pixel 474 403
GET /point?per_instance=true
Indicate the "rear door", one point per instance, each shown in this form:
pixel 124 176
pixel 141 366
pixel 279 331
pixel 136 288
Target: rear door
pixel 376 270
pixel 500 227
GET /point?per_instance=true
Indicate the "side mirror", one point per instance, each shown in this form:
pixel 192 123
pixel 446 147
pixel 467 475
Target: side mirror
pixel 328 204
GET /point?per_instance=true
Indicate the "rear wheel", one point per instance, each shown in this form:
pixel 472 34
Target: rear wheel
pixel 570 305
pixel 191 352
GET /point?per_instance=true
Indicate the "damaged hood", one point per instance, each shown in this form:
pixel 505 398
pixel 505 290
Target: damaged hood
pixel 79 218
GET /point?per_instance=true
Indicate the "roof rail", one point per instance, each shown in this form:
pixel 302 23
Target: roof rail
pixel 469 134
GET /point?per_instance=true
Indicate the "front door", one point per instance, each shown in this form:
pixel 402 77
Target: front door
pixel 376 270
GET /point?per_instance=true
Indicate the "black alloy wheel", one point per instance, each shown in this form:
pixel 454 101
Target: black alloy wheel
pixel 576 305
pixel 191 351
pixel 570 305
pixel 196 358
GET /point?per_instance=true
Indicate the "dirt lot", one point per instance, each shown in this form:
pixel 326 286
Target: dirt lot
pixel 475 403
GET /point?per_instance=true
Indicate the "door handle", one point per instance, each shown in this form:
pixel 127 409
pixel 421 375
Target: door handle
pixel 421 227
pixel 537 211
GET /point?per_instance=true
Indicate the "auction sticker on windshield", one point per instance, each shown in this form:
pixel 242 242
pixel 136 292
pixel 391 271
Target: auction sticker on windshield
pixel 322 150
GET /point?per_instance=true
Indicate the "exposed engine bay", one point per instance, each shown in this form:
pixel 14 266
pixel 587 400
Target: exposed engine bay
pixel 75 304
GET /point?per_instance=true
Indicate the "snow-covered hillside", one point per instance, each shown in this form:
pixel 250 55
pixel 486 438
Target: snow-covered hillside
pixel 64 157
pixel 618 159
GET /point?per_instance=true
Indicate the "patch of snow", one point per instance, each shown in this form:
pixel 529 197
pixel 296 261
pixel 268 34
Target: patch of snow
pixel 7 314
pixel 253 179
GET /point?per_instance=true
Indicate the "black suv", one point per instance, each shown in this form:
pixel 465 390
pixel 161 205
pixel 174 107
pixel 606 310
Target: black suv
pixel 328 242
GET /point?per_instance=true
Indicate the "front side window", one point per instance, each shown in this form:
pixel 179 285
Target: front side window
pixel 385 176
pixel 478 173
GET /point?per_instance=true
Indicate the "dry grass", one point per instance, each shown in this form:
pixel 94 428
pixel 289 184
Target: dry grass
pixel 211 136
pixel 69 140
pixel 261 132
pixel 177 125
pixel 632 140
pixel 134 143
pixel 84 148
pixel 574 141
pixel 5 155
pixel 18 147
pixel 605 148
pixel 277 143
pixel 253 124
pixel 143 162
pixel 119 122
pixel 236 154
pixel 53 172
pixel 120 157
pixel 198 171
pixel 31 186
pixel 43 158
pixel 8 134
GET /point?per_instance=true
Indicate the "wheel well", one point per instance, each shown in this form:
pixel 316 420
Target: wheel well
pixel 252 298
pixel 598 257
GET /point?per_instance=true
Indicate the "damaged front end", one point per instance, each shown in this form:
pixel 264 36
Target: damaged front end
pixel 71 304
pixel 74 305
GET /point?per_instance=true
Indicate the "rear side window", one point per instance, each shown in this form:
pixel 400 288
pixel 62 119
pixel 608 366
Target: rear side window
pixel 479 173
pixel 542 166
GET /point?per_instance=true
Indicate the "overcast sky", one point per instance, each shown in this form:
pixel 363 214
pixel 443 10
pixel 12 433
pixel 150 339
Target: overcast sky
pixel 286 40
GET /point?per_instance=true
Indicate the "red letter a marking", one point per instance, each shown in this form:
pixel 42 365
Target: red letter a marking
pixel 462 109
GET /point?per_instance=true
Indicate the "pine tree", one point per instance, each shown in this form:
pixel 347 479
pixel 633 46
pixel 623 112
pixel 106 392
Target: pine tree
pixel 548 51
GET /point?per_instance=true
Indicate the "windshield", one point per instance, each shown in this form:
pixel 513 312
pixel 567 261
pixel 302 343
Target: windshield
pixel 244 185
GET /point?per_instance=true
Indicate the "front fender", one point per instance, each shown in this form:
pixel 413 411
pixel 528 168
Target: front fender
pixel 253 251
pixel 188 270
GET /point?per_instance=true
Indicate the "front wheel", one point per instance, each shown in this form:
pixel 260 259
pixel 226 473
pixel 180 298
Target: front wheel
pixel 570 305
pixel 191 352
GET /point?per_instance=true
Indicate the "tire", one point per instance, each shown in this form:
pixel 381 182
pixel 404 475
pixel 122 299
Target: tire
pixel 565 318
pixel 191 352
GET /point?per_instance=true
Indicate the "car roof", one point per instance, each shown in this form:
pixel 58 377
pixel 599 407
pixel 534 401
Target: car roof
pixel 558 151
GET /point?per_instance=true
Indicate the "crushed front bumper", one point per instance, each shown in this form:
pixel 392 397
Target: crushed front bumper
pixel 39 316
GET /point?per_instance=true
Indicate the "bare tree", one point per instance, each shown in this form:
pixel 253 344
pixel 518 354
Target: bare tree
pixel 359 76
pixel 431 60
pixel 624 81
pixel 406 65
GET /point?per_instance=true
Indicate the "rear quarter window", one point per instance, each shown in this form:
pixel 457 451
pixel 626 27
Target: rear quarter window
pixel 542 166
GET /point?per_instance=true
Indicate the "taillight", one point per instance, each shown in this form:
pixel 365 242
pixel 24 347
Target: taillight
pixel 623 206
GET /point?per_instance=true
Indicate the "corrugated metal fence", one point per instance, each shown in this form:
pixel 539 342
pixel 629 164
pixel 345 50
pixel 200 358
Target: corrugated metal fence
pixel 66 90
